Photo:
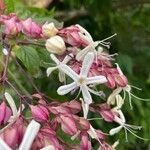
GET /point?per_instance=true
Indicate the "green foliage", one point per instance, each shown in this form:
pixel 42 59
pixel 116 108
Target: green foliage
pixel 9 6
pixel 129 20
pixel 29 57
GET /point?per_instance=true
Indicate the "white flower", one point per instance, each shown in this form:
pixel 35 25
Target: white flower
pixel 30 134
pixel 85 35
pixel 58 63
pixel 55 45
pixel 81 80
pixel 49 30
pixel 122 124
pixel 15 112
pixel 115 99
pixel 126 90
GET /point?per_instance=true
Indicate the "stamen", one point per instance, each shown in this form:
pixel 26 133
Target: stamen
pixel 130 102
pixel 141 99
pixel 126 134
pixel 136 135
pixel 96 93
pixel 109 37
pixel 136 87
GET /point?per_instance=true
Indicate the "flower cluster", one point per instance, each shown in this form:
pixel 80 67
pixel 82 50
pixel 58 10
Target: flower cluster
pixel 90 70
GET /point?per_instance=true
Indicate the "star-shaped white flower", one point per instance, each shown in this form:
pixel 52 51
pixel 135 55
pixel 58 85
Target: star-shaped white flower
pixel 81 80
pixel 58 63
pixel 85 35
pixel 122 124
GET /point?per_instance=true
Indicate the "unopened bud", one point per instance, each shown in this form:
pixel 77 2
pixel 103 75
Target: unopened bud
pixel 39 113
pixel 5 113
pixel 49 30
pixel 55 45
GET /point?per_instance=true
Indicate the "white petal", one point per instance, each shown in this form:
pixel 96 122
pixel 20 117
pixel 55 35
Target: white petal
pixel 111 98
pixel 85 108
pixel 62 90
pixel 50 147
pixel 119 69
pixel 85 38
pixel 61 76
pixel 50 70
pixel 96 80
pixel 115 130
pixel 86 65
pixel 4 146
pixel 82 30
pixel 86 95
pixel 54 58
pixel 30 134
pixel 119 101
pixel 81 54
pixel 67 59
pixel 92 133
pixel 67 70
pixel 11 103
pixel 121 116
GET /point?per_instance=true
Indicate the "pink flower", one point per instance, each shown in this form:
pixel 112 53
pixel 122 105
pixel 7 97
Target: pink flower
pixel 46 137
pixel 12 25
pixel 13 135
pixel 114 78
pixel 68 124
pixel 5 113
pixel 82 123
pixel 74 106
pixel 31 28
pixel 101 135
pixel 71 36
pixel 106 112
pixel 85 142
pixel 39 113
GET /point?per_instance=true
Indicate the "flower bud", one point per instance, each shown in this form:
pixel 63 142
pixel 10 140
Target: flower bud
pixel 5 113
pixel 46 139
pixel 74 106
pixel 12 26
pixel 12 135
pixel 39 113
pixel 30 28
pixel 55 45
pixel 106 113
pixel 85 142
pixel 49 30
pixel 68 125
pixel 71 35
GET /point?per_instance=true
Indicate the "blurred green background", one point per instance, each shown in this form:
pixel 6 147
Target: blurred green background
pixel 130 19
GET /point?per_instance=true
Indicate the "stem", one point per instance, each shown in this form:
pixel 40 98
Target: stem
pixel 26 75
pixel 11 85
pixel 6 60
pixel 30 43
pixel 19 85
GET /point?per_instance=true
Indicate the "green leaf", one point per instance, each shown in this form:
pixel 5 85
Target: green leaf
pixel 9 6
pixel 29 57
